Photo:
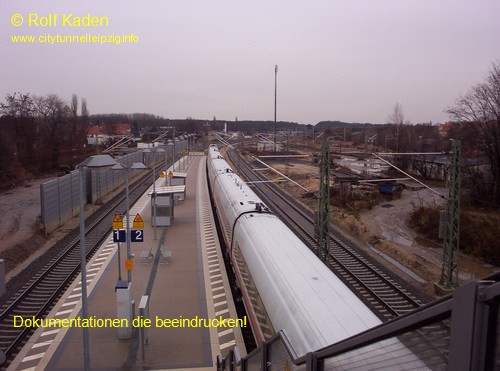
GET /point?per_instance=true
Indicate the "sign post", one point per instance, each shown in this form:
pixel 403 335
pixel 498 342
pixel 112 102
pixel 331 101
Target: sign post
pixel 136 235
pixel 117 222
pixel 117 225
pixel 138 222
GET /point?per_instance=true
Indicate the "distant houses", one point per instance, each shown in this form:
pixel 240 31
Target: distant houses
pixel 104 134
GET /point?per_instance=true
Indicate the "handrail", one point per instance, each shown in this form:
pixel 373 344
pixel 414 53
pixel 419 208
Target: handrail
pixel 422 316
pixel 439 310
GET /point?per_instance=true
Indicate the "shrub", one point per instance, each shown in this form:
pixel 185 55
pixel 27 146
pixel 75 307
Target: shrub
pixel 479 231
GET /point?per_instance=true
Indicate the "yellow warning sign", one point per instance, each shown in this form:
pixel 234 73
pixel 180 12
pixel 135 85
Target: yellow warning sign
pixel 162 174
pixel 129 264
pixel 118 221
pixel 170 174
pixel 184 152
pixel 138 222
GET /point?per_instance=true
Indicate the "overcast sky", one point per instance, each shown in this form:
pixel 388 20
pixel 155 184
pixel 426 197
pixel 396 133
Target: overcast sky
pixel 338 60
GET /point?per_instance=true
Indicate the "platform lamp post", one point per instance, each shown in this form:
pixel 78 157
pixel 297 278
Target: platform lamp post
pixel 97 161
pixel 166 158
pixel 173 154
pixel 178 146
pixel 188 139
pixel 153 151
pixel 186 149
pixel 191 142
pixel 187 152
pixel 181 160
pixel 134 166
pixel 171 145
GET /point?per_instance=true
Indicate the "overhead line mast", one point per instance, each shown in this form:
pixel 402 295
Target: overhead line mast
pixel 449 274
pixel 275 92
pixel 323 219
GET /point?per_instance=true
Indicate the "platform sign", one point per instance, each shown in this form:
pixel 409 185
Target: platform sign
pixel 129 264
pixel 119 235
pixel 138 222
pixel 118 221
pixel 170 174
pixel 136 235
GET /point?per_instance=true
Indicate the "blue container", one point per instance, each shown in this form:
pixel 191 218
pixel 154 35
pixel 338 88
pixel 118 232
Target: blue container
pixel 387 189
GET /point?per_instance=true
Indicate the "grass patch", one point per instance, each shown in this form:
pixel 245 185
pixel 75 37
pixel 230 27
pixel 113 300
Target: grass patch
pixel 359 200
pixel 479 231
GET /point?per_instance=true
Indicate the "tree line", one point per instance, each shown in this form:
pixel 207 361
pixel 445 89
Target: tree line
pixel 38 134
pixel 475 120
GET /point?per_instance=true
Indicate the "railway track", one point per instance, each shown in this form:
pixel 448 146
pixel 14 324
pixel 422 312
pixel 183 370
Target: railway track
pixel 373 286
pixel 38 296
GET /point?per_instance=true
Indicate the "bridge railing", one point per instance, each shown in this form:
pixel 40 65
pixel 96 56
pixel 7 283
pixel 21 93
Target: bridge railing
pixel 459 331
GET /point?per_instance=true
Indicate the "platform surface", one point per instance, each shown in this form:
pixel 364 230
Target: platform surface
pixel 190 284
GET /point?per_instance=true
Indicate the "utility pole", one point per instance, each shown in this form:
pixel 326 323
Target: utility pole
pixel 366 143
pixel 323 220
pixel 173 150
pixel 449 274
pixel 275 91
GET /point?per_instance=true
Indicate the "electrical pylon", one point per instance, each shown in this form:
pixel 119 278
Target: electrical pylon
pixel 449 274
pixel 323 219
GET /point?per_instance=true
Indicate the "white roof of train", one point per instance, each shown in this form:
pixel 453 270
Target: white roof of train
pixel 302 296
pixel 289 277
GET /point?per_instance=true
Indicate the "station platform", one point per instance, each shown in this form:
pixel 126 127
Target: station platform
pixel 190 284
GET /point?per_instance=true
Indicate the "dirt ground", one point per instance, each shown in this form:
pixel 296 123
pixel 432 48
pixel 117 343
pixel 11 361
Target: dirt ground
pixel 20 209
pixel 383 231
pixel 20 229
pixel 380 230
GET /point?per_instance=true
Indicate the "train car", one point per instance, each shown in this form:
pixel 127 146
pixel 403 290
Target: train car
pixel 296 292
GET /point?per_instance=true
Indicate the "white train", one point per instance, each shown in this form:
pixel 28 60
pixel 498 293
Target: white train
pixel 284 285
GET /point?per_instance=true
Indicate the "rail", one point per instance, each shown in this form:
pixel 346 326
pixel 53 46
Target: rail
pixel 372 284
pixel 57 274
pixel 473 343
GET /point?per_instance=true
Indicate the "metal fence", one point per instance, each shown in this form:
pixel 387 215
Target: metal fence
pixel 60 198
pixel 459 332
pixel 104 181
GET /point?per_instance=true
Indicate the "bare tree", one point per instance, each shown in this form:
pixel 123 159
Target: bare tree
pixel 53 116
pixel 74 105
pixel 84 123
pixel 17 138
pixel 19 109
pixel 396 119
pixel 401 133
pixel 480 108
pixel 85 111
pixel 73 139
pixel 37 133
